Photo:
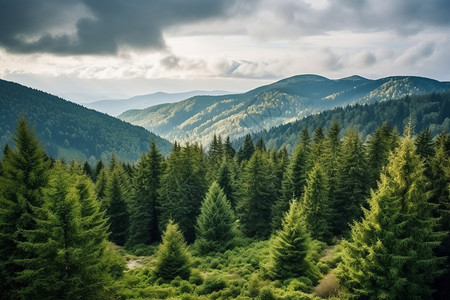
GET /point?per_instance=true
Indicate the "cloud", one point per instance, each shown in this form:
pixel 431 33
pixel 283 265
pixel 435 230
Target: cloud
pixel 96 26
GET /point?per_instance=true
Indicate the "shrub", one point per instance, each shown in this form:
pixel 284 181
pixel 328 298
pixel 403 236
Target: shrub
pixel 212 283
pixel 328 286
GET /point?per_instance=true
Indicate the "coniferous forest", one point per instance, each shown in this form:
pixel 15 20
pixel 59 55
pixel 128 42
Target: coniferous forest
pixel 342 217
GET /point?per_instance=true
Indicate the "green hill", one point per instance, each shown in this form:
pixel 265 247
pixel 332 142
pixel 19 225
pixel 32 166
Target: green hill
pixel 68 130
pixel 427 111
pixel 197 118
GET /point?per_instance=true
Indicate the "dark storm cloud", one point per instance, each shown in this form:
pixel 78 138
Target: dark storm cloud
pixel 99 26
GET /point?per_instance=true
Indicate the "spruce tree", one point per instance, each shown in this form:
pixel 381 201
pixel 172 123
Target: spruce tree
pixel 228 149
pixel 332 154
pixel 215 156
pixel 425 149
pixel 352 184
pixel 390 253
pixel 315 206
pixel 183 187
pixel 258 196
pixel 216 228
pixel 172 257
pixel 317 148
pixel 143 205
pixel 24 175
pixel 226 181
pixel 247 149
pixel 291 249
pixel 292 186
pixel 67 247
pixel 117 210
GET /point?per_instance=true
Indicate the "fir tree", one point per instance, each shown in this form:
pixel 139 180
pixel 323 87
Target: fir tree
pixel 117 210
pixel 24 175
pixel 258 196
pixel 425 149
pixel 352 184
pixel 216 228
pixel 99 167
pixel 228 149
pixel 390 253
pixel 260 145
pixel 247 149
pixel 100 188
pixel 315 205
pixel 69 224
pixel 291 249
pixel 172 257
pixel 215 156
pixel 317 149
pixel 332 153
pixel 143 206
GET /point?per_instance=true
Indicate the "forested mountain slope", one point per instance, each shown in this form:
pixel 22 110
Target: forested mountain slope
pixel 116 107
pixel 197 118
pixel 68 130
pixel 427 111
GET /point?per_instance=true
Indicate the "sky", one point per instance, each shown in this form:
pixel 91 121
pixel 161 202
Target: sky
pixel 86 50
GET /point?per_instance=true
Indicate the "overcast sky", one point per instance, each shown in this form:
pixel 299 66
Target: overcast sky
pixel 91 49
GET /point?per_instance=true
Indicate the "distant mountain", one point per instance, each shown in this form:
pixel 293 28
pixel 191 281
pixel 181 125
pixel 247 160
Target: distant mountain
pixel 116 107
pixel 287 100
pixel 71 131
pixel 427 111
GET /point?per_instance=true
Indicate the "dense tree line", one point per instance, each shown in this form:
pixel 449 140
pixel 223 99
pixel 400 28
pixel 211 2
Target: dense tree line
pixel 381 203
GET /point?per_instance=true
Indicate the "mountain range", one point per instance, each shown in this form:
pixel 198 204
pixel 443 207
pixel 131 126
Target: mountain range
pixel 71 131
pixel 118 106
pixel 196 119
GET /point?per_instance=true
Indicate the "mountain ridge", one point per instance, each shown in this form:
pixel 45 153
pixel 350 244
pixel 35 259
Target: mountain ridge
pixel 197 118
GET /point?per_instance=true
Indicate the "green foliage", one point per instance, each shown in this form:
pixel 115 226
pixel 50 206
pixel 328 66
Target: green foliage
pixel 216 228
pixel 258 196
pixel 247 149
pixel 67 248
pixel 226 181
pixel 143 205
pixel 183 187
pixel 117 210
pixel 24 174
pixel 390 254
pixel 172 258
pixel 69 130
pixel 352 182
pixel 291 249
pixel 316 208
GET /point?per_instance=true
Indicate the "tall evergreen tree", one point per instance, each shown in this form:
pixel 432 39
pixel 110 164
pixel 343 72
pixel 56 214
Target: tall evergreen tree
pixel 291 249
pixel 425 149
pixel 144 212
pixel 258 196
pixel 292 186
pixel 260 145
pixel 117 210
pixel 228 149
pixel 315 206
pixel 183 186
pixel 352 184
pixel 227 183
pixel 67 247
pixel 332 154
pixel 24 175
pixel 317 148
pixel 390 253
pixel 216 227
pixel 172 257
pixel 247 149
pixel 215 156
pixel 100 188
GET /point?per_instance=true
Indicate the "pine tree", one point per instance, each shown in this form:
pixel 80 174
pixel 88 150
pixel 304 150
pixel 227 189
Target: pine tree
pixel 315 206
pixel 258 196
pixel 317 149
pixel 100 188
pixel 291 249
pixel 292 186
pixel 117 210
pixel 183 187
pixel 332 154
pixel 247 149
pixel 67 247
pixel 172 257
pixel 260 145
pixel 143 205
pixel 99 166
pixel 24 175
pixel 352 184
pixel 87 169
pixel 425 149
pixel 390 253
pixel 215 156
pixel 216 228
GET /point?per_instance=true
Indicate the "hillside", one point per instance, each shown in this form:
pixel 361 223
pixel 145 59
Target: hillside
pixel 68 130
pixel 197 118
pixel 116 107
pixel 427 111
